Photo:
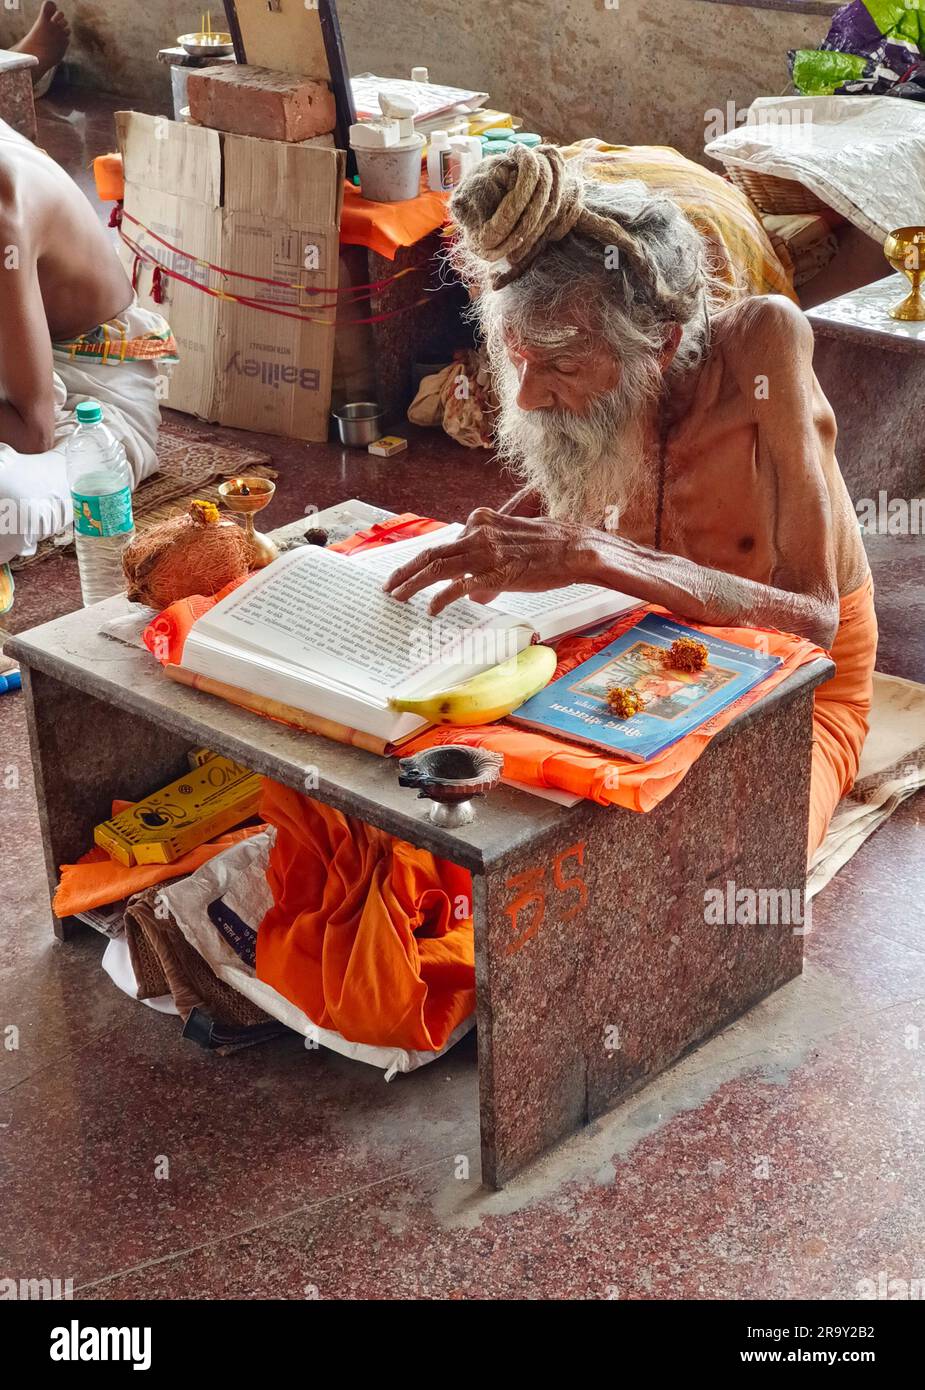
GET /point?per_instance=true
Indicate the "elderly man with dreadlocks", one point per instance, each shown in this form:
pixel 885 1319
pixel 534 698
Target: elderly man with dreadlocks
pixel 670 448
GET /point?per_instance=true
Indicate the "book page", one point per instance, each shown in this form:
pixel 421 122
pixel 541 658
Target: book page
pixel 384 560
pixel 322 612
pixel 531 606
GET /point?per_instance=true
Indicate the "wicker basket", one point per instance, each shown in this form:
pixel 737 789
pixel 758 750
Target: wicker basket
pixel 775 196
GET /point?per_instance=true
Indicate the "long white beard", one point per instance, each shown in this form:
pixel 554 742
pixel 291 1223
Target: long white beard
pixel 588 467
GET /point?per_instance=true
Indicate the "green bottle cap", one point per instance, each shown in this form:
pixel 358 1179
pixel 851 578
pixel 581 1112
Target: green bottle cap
pixel 525 137
pixel 89 413
pixel 498 132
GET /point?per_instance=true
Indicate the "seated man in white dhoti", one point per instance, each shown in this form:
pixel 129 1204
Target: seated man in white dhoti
pixel 70 329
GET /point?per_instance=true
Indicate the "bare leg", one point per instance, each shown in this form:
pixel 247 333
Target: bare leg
pixel 47 40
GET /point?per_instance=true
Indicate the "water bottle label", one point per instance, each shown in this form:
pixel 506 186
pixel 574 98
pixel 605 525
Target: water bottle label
pixel 103 516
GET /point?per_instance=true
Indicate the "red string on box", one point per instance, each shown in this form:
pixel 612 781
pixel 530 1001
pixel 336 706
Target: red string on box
pixel 162 270
pixel 374 285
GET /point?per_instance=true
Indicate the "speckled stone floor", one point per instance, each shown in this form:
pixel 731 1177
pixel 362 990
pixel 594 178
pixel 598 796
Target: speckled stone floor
pixel 785 1159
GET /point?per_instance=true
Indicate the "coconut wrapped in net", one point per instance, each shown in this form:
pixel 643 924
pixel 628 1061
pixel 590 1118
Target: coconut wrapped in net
pixel 196 553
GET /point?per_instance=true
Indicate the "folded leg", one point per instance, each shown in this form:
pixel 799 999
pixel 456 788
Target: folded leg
pixel 841 709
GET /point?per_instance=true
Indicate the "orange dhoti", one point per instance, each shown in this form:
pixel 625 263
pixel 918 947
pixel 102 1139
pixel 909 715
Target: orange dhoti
pixel 841 708
pixel 368 935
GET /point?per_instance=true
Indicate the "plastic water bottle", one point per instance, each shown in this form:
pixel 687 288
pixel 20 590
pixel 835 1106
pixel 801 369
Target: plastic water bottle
pixel 100 480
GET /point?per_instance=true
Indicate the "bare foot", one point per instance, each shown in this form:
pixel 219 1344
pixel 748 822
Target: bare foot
pixel 47 40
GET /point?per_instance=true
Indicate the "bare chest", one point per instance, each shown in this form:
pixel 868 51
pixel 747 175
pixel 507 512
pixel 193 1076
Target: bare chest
pixel 713 503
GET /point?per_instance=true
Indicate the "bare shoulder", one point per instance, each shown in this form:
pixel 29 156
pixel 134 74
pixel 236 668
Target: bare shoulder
pixel 763 324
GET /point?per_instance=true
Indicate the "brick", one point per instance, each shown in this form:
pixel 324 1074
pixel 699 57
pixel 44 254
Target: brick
pixel 245 100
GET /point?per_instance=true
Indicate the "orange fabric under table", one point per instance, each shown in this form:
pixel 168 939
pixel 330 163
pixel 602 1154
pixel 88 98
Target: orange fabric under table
pixel 368 935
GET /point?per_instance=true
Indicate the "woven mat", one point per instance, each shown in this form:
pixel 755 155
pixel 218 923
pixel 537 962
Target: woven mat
pixel 190 465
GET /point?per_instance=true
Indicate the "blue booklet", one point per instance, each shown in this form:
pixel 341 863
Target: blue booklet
pixel 575 706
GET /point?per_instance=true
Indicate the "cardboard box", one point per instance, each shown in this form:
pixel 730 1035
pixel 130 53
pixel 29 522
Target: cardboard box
pixel 259 208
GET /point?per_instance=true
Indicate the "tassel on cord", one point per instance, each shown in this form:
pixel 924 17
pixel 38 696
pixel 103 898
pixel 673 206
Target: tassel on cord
pixel 136 271
pixel 157 285
pixel 115 217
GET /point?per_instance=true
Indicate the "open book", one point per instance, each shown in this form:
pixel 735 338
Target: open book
pixel 316 631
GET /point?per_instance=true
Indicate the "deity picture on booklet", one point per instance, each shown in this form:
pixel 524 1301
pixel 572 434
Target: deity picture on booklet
pixel 667 694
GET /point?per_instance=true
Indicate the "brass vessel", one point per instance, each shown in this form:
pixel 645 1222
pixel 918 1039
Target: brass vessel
pixel 905 251
pixel 246 496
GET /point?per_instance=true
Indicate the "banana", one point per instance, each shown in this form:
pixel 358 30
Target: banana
pixel 488 696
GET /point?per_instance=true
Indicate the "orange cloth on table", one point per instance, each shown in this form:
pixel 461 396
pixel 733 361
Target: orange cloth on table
pixel 540 760
pixel 96 880
pixel 398 528
pixel 841 709
pixel 385 227
pixel 166 634
pixel 364 935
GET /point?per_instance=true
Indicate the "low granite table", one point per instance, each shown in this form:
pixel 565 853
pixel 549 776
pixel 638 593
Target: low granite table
pixel 17 103
pixel 597 964
pixel 872 369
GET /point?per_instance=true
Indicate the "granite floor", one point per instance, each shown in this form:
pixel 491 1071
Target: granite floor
pixel 784 1159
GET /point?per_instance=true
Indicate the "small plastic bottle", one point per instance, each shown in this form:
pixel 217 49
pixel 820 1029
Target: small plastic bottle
pixel 100 480
pixel 439 162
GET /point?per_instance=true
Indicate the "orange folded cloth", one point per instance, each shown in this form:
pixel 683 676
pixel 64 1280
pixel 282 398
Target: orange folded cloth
pixel 368 935
pixel 541 760
pixel 166 634
pixel 96 880
pixel 385 227
pixel 841 709
pixel 396 528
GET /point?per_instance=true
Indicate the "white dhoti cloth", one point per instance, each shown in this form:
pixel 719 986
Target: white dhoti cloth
pixel 35 499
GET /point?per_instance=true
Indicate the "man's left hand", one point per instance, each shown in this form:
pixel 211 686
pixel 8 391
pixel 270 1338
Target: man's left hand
pixel 494 554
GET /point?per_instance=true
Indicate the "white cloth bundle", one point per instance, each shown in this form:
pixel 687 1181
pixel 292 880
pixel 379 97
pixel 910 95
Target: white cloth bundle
pixel 863 156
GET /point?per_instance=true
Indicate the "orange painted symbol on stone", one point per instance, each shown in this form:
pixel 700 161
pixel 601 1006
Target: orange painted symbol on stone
pixel 532 895
pixel 573 884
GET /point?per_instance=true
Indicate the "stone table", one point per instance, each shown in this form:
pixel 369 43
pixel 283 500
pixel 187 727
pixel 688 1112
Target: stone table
pixel 872 368
pixel 597 964
pixel 17 103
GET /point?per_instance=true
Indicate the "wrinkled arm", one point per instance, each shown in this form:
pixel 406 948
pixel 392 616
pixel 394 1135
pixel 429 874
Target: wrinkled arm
pixel 708 596
pixel 27 408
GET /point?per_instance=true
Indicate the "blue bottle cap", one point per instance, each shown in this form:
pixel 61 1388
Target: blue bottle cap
pixel 89 413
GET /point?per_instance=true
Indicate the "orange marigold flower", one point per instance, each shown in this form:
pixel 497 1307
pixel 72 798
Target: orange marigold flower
pixel 205 513
pixel 686 654
pixel 624 701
